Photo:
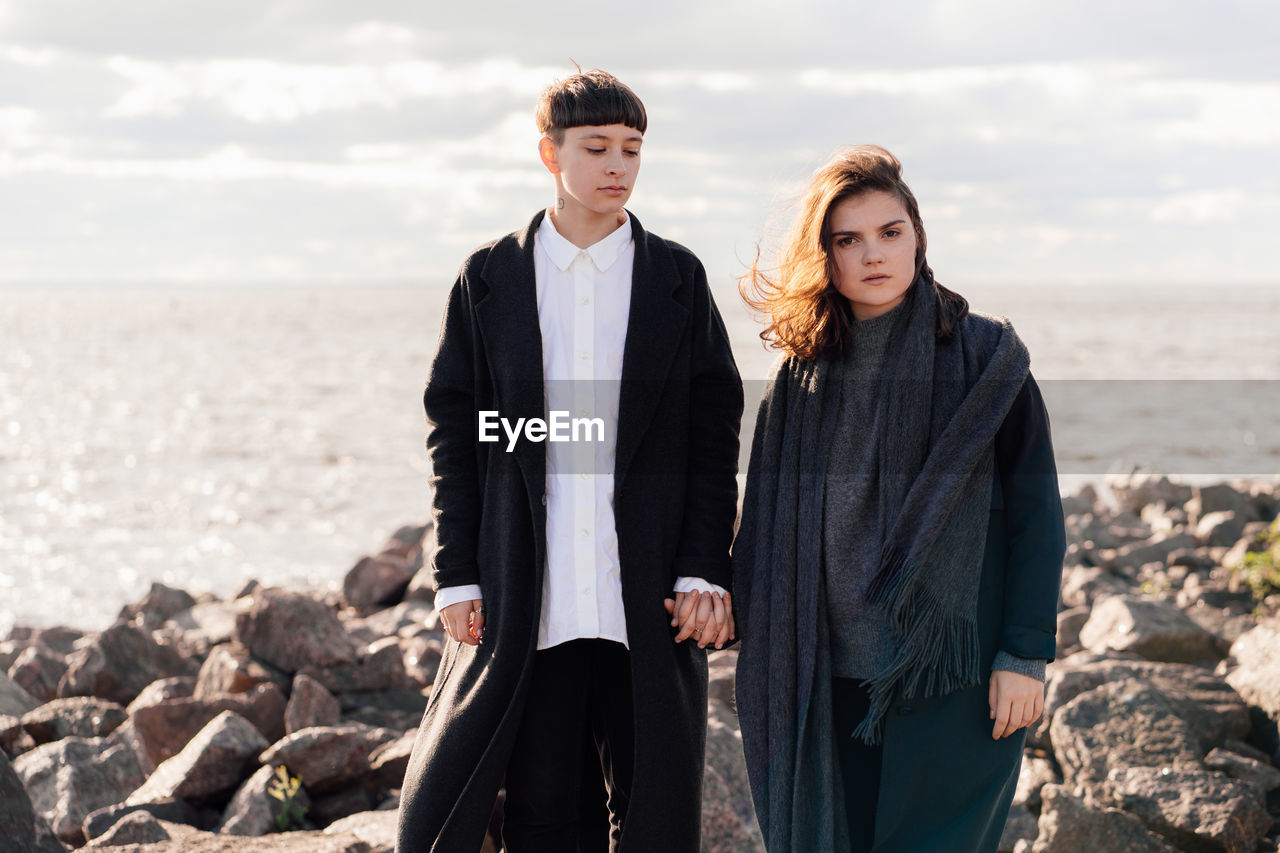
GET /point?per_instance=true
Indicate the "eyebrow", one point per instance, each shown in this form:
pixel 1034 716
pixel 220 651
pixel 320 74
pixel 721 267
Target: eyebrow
pixel 606 137
pixel 857 233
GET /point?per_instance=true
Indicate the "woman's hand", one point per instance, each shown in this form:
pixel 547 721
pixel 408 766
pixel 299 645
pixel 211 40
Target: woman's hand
pixel 1016 700
pixel 706 616
pixel 464 621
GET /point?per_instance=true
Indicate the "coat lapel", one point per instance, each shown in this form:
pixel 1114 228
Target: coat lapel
pixel 655 326
pixel 508 320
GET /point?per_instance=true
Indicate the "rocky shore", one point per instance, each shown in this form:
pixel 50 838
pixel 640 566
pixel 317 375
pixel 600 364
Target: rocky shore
pixel 282 719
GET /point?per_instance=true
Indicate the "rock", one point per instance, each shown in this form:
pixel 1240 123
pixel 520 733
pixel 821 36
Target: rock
pixel 1219 529
pixel 1195 809
pixel 1220 497
pixel 100 821
pixel 1257 675
pixel 230 668
pixel 206 624
pixel 215 760
pixel 389 761
pixel 17 818
pixel 1156 630
pixel 422 656
pixel 291 630
pixel 1070 621
pixel 310 704
pixel 377 581
pixel 422 587
pixel 1020 825
pixel 160 731
pixel 1136 488
pixel 324 758
pixel 14 739
pixel 81 716
pixel 39 669
pixel 407 619
pixel 376 828
pixel 378 667
pixel 1153 550
pixel 1068 825
pixel 1122 724
pixel 70 778
pixel 163 689
pixel 137 827
pixel 341 803
pixel 254 810
pixel 194 841
pixel 724 755
pixel 1036 772
pixel 60 639
pixel 159 605
pixel 1207 704
pixel 723 830
pixel 14 699
pixel 1262 774
pixel 118 664
pixel 398 710
pixel 1083 585
pixel 1223 623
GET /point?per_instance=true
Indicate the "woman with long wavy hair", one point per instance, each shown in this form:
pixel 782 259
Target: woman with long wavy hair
pixel 897 565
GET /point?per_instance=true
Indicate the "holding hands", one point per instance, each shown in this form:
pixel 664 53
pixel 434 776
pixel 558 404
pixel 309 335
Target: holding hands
pixel 464 621
pixel 707 617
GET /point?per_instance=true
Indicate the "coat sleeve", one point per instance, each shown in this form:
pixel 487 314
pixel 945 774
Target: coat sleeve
pixel 715 405
pixel 1034 529
pixel 450 403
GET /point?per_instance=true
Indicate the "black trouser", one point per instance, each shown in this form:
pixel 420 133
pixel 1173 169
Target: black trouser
pixel 859 763
pixel 574 746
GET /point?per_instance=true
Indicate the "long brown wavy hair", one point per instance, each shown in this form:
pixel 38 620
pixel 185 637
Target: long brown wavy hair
pixel 807 316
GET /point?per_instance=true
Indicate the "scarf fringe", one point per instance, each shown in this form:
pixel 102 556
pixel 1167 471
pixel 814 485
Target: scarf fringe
pixel 940 653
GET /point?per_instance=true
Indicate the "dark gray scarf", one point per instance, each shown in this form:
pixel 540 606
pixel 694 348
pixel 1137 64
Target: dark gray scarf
pixel 935 425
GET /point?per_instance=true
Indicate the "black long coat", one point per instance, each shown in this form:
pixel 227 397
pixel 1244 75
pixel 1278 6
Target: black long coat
pixel 675 498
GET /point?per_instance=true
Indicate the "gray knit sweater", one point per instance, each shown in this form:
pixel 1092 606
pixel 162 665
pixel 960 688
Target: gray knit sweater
pixel 853 525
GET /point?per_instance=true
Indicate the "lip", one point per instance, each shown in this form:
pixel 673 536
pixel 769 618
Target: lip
pixel 613 190
pixel 877 278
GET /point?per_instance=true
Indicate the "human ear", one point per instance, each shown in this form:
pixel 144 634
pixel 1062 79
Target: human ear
pixel 547 151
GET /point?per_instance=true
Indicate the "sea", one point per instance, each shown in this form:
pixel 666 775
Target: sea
pixel 204 436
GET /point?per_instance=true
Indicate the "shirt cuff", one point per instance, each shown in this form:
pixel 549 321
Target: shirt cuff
pixel 448 595
pixel 1033 667
pixel 690 584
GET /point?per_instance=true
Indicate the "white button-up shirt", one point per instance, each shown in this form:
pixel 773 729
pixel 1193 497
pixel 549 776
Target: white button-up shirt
pixel 584 300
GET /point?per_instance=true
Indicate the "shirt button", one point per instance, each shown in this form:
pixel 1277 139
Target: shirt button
pixel 585 476
pixel 586 532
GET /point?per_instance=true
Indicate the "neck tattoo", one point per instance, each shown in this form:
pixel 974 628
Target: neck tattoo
pixel 559 204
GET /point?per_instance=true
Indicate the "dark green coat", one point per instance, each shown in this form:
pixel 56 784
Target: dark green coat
pixel 945 785
pixel 674 503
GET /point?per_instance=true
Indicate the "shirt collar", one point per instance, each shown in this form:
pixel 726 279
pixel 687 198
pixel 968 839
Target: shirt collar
pixel 603 253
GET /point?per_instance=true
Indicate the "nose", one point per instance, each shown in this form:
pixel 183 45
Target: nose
pixel 872 252
pixel 616 166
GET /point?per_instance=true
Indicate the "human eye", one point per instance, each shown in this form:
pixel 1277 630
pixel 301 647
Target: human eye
pixel 595 150
pixel 892 232
pixel 844 242
pixel 631 152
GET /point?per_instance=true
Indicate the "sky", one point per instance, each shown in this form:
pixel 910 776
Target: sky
pixel 316 142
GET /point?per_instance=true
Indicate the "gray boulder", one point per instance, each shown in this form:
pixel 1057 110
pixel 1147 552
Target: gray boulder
pixel 1257 676
pixel 380 666
pixel 215 760
pixel 1151 628
pixel 100 821
pixel 230 668
pixel 1214 712
pixel 69 778
pixel 14 698
pixel 1260 773
pixel 1137 487
pixel 82 716
pixel 1068 825
pixel 325 758
pixel 291 630
pixel 377 581
pixel 310 704
pixel 254 810
pixel 1123 724
pixel 39 669
pixel 119 663
pixel 138 827
pixel 1197 810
